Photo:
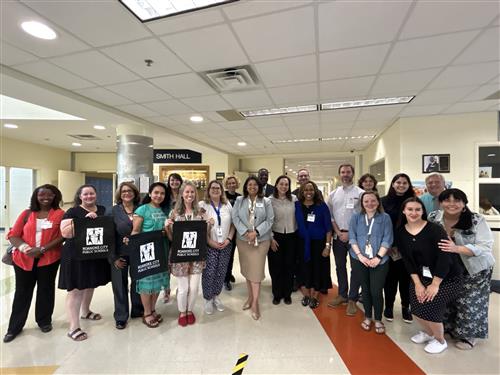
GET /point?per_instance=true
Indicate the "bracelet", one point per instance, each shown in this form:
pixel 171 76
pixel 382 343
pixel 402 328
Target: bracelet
pixel 379 257
pixel 229 239
pixel 43 250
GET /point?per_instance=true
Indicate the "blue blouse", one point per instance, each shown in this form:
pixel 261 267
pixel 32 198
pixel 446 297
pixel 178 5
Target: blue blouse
pixel 381 235
pixel 315 230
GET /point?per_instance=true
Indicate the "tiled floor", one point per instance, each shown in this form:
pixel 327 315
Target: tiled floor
pixel 287 340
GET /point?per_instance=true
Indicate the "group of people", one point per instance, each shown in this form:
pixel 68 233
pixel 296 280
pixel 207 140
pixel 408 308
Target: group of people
pixel 433 248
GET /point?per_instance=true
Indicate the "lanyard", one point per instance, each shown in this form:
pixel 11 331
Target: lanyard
pixel 369 225
pixel 217 211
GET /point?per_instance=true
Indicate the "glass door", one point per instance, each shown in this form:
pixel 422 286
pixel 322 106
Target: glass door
pixel 20 188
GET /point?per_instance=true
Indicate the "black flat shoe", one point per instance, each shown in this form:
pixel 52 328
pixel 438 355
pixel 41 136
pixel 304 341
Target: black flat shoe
pixel 288 300
pixel 305 301
pixel 120 324
pixel 232 279
pixel 228 286
pixel 46 328
pixel 314 303
pixel 9 337
pixel 276 301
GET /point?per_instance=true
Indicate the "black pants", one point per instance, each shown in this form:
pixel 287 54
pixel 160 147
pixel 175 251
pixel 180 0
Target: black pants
pixel 397 274
pixel 119 281
pixel 281 264
pixel 372 285
pixel 229 271
pixel 45 279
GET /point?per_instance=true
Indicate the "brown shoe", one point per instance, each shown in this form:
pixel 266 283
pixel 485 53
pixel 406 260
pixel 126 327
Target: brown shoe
pixel 351 308
pixel 337 301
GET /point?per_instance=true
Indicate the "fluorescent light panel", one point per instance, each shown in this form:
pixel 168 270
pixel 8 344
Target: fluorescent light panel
pixel 15 109
pixel 323 139
pixel 280 111
pixel 148 10
pixel 366 103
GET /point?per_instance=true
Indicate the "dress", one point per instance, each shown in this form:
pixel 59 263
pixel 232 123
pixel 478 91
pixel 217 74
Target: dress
pixel 154 219
pixel 76 274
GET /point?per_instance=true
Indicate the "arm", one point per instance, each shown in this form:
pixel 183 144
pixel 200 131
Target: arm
pixel 137 224
pixel 267 224
pixel 432 289
pixel 419 288
pixel 235 215
pixel 483 241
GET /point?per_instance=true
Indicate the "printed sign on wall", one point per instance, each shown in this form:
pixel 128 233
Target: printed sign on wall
pixel 94 238
pixel 189 242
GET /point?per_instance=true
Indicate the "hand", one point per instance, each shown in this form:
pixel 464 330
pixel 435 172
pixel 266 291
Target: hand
pixel 343 236
pixel 250 236
pixel 225 243
pixel 374 262
pixel 430 292
pixel 274 245
pixel 91 215
pixel 448 246
pixel 211 221
pixel 169 222
pixel 120 263
pixel 326 252
pixel 364 260
pixel 126 240
pixel 24 248
pixel 33 252
pixel 420 292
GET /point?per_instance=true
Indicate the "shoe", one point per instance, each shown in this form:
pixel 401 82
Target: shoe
pixel 305 301
pixel 466 344
pixel 218 304
pixel 314 303
pixel 232 279
pixel 366 324
pixel 435 347
pixel 339 300
pixel 120 324
pixel 46 328
pixel 209 306
pixel 152 323
pixel 255 315
pixel 276 301
pixel 379 328
pixel 352 309
pixel 183 320
pixel 388 314
pixel 191 319
pixel 228 286
pixel 9 337
pixel 287 300
pixel 407 317
pixel 246 306
pixel 421 338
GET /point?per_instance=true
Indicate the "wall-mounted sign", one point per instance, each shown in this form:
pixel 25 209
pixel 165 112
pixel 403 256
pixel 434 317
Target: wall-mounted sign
pixel 176 157
pixel 220 176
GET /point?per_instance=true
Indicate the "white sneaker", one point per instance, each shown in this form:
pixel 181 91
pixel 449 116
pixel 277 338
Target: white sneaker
pixel 421 338
pixel 209 307
pixel 435 347
pixel 218 304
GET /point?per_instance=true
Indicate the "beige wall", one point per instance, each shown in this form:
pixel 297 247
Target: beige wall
pixel 95 162
pixel 44 159
pixel 273 164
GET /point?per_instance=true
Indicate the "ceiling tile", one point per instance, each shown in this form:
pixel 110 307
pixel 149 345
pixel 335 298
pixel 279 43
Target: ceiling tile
pixel 426 52
pixel 295 95
pixel 288 71
pixel 248 99
pixel 208 48
pixel 302 119
pixel 53 74
pixel 183 85
pixel 139 91
pixel 11 55
pixel 137 110
pixel 485 48
pixel 339 116
pixel 132 56
pixel 479 106
pixel 187 21
pixel 93 23
pixel 337 29
pixel 103 96
pixel 458 15
pixel 95 67
pixel 380 113
pixel 14 13
pixel 346 89
pixel 446 96
pixel 352 62
pixel 427 110
pixel 169 107
pixel 464 75
pixel 292 34
pixel 374 124
pixel 482 93
pixel 408 81
pixel 207 103
pixel 267 122
pixel 244 9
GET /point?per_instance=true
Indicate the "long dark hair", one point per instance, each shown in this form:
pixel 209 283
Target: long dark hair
pixel 465 219
pixel 289 191
pixel 408 193
pixel 168 192
pixel 35 205
pixel 402 218
pixel 260 192
pixel 318 197
pixel 77 201
pixel 163 205
pixel 364 177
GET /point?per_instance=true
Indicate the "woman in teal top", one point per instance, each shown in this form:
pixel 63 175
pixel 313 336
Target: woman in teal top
pixel 147 218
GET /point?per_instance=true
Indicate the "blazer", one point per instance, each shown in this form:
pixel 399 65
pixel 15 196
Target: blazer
pixel 264 217
pixel 268 190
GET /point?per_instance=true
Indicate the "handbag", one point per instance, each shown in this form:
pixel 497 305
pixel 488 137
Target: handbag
pixel 7 257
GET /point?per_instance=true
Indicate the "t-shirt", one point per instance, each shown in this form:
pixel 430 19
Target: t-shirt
pixel 154 217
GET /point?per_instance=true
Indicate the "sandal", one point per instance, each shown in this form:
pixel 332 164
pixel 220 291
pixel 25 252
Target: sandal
pixel 92 316
pixel 77 335
pixel 305 301
pixel 153 323
pixel 313 303
pixel 166 296
pixel 379 328
pixel 157 316
pixel 465 344
pixel 366 324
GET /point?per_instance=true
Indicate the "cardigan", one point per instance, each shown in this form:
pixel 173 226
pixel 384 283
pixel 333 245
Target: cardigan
pixel 264 217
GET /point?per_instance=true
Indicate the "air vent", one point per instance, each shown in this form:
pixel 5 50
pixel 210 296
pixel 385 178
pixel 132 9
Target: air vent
pixel 85 137
pixel 239 78
pixel 231 115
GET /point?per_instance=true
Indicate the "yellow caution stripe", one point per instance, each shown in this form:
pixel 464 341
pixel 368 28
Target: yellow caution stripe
pixel 240 364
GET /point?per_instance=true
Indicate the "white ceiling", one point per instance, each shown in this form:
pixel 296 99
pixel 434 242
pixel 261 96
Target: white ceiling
pixel 304 52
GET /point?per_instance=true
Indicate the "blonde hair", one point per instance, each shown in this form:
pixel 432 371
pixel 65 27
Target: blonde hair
pixel 234 178
pixel 180 207
pixel 207 199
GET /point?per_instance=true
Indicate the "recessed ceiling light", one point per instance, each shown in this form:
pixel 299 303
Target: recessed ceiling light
pixel 151 10
pixel 76 144
pixel 280 111
pixel 366 102
pixel 242 144
pixel 39 30
pixel 10 126
pixel 196 118
pixel 99 127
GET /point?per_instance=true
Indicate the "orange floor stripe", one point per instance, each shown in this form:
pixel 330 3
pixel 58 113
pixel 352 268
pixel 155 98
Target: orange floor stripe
pixel 39 370
pixel 362 352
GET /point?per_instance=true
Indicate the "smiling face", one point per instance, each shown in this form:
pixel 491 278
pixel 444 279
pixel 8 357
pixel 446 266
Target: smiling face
pixel 252 188
pixel 157 195
pixel 413 212
pixel 88 196
pixel 174 183
pixel 435 185
pixel 127 194
pixel 303 177
pixel 214 191
pixel 346 175
pixel 45 198
pixel 452 206
pixel 189 194
pixel 231 185
pixel 308 192
pixel 368 184
pixel 401 185
pixel 370 203
pixel 283 186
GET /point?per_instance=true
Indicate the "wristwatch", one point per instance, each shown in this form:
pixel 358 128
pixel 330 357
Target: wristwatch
pixel 379 257
pixel 42 250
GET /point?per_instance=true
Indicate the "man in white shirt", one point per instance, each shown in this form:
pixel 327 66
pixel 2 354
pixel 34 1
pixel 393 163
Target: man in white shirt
pixel 343 202
pixel 435 185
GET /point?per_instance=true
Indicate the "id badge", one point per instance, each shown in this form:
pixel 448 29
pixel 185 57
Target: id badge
pixel 311 218
pixel 369 250
pixel 350 203
pixel 46 224
pixel 259 204
pixel 219 234
pixel 426 272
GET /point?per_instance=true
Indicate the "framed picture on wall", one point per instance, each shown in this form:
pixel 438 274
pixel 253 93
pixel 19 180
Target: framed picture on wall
pixel 436 163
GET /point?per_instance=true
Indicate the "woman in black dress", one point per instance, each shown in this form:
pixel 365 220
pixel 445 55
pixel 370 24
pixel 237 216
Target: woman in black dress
pixel 436 276
pixel 80 278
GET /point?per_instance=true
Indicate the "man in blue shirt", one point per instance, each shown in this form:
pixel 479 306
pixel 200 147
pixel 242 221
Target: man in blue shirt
pixel 435 184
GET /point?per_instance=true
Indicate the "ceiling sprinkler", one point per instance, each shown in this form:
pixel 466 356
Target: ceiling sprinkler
pixel 148 62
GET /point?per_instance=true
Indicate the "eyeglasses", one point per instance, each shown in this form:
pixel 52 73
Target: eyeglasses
pixel 214 187
pixel 127 191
